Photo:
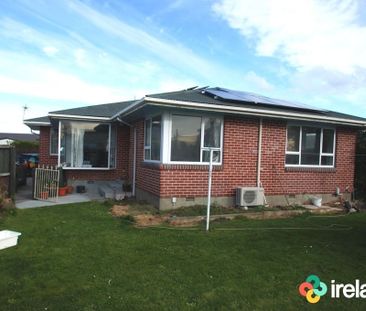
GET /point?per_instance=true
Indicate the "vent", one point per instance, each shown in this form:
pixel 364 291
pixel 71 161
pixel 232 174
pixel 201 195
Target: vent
pixel 249 196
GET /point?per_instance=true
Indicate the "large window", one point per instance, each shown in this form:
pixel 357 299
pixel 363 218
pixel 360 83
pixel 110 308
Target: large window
pixel 87 145
pixel 152 139
pixel 193 136
pixel 53 141
pixel 310 146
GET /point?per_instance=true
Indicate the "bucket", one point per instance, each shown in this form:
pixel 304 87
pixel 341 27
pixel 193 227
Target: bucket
pixel 317 201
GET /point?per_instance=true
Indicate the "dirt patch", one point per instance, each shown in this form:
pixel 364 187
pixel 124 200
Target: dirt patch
pixel 185 221
pixel 119 210
pixel 145 220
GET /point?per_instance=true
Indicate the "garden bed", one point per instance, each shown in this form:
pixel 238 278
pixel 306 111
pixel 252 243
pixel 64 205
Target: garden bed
pixel 183 217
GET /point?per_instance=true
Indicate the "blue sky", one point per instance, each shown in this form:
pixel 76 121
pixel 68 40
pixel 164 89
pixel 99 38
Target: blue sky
pixel 61 54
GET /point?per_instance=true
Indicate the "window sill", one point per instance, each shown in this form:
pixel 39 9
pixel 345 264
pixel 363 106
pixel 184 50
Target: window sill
pixel 87 168
pixel 318 169
pixel 180 166
pixel 193 167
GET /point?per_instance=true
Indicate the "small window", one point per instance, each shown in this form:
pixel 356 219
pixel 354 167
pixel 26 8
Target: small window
pixel 53 141
pixel 186 138
pixel 152 139
pixel 192 138
pixel 310 146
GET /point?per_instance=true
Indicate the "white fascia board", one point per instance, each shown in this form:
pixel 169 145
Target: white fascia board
pixel 77 117
pixel 36 123
pixel 128 108
pixel 252 112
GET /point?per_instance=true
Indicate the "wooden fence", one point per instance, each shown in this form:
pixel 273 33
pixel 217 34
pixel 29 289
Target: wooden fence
pixel 8 169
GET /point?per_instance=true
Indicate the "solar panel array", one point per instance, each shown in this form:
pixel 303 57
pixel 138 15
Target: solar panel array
pixel 232 95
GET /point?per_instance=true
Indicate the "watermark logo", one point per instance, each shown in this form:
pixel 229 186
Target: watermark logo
pixel 312 289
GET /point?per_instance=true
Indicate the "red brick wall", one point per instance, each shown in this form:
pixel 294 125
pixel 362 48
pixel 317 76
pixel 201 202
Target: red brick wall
pixel 122 159
pixel 239 166
pixel 277 179
pixel 147 175
pixel 44 147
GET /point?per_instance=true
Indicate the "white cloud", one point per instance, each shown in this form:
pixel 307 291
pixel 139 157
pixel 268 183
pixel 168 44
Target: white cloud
pixel 257 82
pixel 175 54
pixel 305 33
pixel 50 50
pixel 80 57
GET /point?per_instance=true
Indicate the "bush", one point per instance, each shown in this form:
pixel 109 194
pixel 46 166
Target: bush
pixel 7 206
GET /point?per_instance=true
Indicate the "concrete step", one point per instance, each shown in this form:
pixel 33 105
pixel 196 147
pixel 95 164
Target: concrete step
pixel 112 190
pixel 106 192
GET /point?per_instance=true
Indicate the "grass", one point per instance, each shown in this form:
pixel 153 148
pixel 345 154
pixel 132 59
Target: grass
pixel 78 257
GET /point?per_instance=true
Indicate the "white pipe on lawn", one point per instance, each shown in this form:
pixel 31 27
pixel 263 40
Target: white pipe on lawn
pixel 209 192
pixel 259 159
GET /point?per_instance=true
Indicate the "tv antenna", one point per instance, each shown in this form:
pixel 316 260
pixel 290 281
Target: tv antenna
pixel 25 108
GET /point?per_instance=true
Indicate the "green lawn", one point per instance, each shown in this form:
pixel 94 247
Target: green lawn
pixel 78 257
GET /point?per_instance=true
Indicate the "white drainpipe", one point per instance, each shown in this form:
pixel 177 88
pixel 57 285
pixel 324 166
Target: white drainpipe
pixel 259 153
pixel 134 162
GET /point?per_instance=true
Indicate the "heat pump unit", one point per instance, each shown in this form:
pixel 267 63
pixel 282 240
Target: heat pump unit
pixel 249 196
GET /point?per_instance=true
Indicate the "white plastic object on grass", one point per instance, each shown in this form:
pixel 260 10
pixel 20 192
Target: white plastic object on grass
pixel 317 201
pixel 8 238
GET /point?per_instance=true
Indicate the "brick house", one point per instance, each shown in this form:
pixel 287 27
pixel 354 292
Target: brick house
pixel 161 145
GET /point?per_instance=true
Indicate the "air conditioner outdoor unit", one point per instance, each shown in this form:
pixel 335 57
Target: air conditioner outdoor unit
pixel 249 196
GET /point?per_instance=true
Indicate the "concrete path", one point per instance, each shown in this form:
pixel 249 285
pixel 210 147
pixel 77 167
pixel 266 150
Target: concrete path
pixel 69 199
pixel 23 197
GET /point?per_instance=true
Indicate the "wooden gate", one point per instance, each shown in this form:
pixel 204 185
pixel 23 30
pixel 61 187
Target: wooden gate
pixel 46 183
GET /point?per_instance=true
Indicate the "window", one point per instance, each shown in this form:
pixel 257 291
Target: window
pixel 310 146
pixel 87 145
pixel 192 137
pixel 54 141
pixel 152 139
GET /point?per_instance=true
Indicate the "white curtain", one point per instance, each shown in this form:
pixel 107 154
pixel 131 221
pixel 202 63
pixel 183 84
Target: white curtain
pixel 77 145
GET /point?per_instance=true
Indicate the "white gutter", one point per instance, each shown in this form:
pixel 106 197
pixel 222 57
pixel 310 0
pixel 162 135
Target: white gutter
pixel 77 117
pixel 259 160
pixel 252 112
pixel 36 123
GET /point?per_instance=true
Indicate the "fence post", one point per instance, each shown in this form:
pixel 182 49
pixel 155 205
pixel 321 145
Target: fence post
pixel 12 170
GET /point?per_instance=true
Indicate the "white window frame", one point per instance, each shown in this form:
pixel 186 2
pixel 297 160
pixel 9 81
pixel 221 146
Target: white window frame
pixel 86 168
pixel 168 136
pixel 321 153
pixel 50 135
pixel 148 147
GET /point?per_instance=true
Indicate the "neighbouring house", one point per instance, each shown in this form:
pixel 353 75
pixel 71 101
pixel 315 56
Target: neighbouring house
pixel 161 144
pixel 8 138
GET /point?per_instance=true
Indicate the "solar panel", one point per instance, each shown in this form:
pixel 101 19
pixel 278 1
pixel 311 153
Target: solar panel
pixel 227 94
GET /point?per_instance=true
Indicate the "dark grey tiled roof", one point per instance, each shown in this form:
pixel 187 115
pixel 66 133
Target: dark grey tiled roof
pixel 200 96
pixel 104 110
pixel 44 119
pixel 19 136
